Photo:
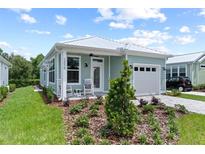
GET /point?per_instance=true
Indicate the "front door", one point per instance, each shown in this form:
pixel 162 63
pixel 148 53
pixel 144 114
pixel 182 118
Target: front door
pixel 97 73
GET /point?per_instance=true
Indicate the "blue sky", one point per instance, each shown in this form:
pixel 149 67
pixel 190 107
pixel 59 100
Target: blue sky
pixel 29 32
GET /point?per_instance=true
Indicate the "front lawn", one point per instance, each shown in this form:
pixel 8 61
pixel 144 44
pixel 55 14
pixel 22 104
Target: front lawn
pixel 191 129
pixel 194 97
pixel 25 119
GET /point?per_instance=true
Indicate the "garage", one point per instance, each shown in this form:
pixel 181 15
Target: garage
pixel 146 79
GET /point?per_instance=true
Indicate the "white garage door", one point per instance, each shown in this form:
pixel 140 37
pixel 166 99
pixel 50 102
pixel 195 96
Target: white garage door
pixel 146 79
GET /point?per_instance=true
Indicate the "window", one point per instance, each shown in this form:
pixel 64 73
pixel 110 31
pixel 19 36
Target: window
pixel 202 66
pixel 52 70
pixel 73 69
pixel 174 71
pixel 147 69
pixel 153 69
pixel 182 71
pixel 168 73
pixel 44 75
pixel 136 68
pixel 141 69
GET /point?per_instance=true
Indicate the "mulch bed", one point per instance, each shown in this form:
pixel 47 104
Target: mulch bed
pixel 98 122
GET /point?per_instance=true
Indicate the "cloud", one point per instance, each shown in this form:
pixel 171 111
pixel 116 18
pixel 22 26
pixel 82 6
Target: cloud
pixel 68 36
pixel 145 37
pixel 184 29
pixel 20 10
pixel 183 40
pixel 162 49
pixel 129 15
pixel 201 28
pixel 202 13
pixel 167 28
pixel 38 32
pixel 4 45
pixel 28 19
pixel 120 25
pixel 61 20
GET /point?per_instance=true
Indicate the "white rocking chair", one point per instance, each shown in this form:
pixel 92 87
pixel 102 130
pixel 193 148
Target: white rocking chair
pixel 88 87
pixel 69 91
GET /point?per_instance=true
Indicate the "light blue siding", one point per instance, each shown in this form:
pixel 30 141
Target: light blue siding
pixel 116 66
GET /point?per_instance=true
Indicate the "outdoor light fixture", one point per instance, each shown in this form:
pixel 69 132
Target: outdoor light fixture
pixel 91 54
pixel 131 66
pixel 163 68
pixel 86 64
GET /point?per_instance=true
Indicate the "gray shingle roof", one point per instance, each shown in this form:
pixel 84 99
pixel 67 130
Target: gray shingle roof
pixel 186 58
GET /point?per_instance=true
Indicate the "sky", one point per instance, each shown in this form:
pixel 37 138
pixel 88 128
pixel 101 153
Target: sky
pixel 29 32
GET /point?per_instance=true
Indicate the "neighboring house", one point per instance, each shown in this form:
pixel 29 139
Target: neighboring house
pixel 99 59
pixel 191 65
pixel 4 71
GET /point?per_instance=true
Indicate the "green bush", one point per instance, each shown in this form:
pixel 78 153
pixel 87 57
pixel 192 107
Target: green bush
pixel 82 132
pixel 175 92
pixel 82 121
pixel 88 139
pixel 105 142
pixel 143 139
pixel 4 91
pixel 170 111
pixel 75 141
pixel 24 82
pixel 94 107
pixel 125 142
pixel 157 138
pixel 148 108
pixel 121 112
pixel 181 108
pixel 93 113
pixel 50 95
pixel 1 97
pixel 99 100
pixel 78 107
pixel 12 87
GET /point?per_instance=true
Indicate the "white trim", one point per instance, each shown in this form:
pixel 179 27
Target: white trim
pixel 52 58
pixel 152 65
pixel 103 73
pixel 79 78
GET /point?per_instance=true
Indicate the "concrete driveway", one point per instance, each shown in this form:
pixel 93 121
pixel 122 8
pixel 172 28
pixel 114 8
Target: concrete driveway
pixel 191 105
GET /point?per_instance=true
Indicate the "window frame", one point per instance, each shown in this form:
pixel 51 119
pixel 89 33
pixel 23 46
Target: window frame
pixel 53 71
pixel 79 77
pixel 182 66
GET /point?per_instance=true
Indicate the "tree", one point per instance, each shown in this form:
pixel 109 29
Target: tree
pixel 4 54
pixel 121 112
pixel 21 68
pixel 35 62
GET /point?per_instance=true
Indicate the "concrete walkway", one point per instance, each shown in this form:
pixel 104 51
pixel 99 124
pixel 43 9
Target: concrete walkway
pixel 195 93
pixel 191 105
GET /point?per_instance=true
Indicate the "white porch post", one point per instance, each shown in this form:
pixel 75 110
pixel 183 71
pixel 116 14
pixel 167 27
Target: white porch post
pixel 64 75
pixel 109 72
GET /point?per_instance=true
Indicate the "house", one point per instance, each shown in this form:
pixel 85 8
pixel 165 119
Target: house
pixel 99 59
pixel 4 71
pixel 190 65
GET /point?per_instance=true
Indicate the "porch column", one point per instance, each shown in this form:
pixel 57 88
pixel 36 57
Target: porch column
pixel 64 75
pixel 109 72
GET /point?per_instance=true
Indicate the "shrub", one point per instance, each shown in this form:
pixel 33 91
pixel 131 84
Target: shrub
pixel 75 141
pixel 105 142
pixel 82 121
pixel 50 95
pixel 78 107
pixel 99 100
pixel 125 142
pixel 155 101
pixel 170 111
pixel 88 139
pixel 4 91
pixel 148 108
pixel 93 113
pixel 143 139
pixel 142 102
pixel 1 97
pixel 174 92
pixel 12 87
pixel 120 111
pixel 82 132
pixel 94 107
pixel 105 131
pixel 24 82
pixel 157 138
pixel 181 108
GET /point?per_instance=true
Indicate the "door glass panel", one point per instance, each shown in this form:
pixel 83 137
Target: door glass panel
pixel 96 77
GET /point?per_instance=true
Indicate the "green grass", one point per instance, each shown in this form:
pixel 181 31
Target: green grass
pixel 194 97
pixel 191 129
pixel 25 119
